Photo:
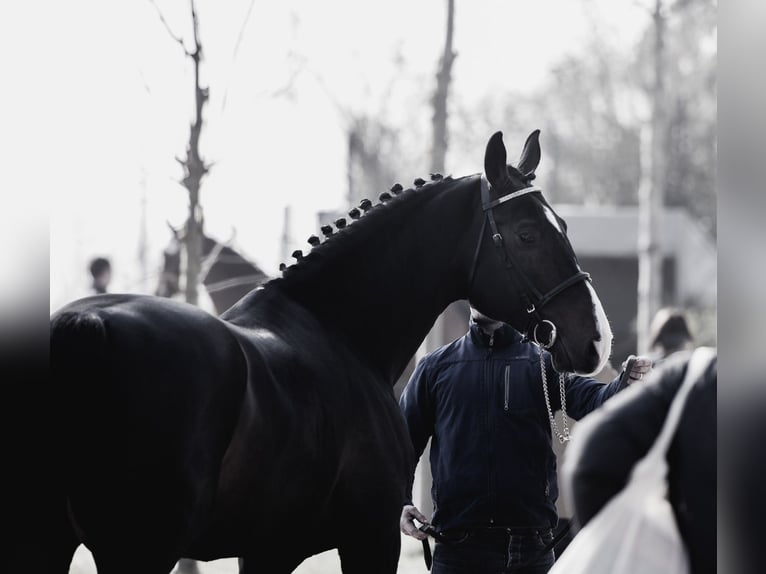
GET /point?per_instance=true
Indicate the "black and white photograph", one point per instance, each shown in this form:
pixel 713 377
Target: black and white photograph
pixel 363 287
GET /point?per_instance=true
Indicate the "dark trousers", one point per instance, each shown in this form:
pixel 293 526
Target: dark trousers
pixel 494 552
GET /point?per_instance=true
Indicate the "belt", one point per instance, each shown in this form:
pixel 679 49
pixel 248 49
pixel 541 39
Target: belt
pixel 504 530
pixel 458 535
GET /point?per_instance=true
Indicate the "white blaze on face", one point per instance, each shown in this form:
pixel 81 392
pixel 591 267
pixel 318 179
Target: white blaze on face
pixel 604 345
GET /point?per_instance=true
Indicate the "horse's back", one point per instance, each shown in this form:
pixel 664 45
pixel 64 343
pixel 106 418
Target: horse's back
pixel 151 391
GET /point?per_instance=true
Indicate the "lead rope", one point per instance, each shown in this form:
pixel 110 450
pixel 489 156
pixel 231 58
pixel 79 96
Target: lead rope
pixel 565 436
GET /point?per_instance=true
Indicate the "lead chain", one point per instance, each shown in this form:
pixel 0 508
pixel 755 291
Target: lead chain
pixel 562 391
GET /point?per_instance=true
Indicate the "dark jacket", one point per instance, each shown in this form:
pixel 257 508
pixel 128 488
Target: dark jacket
pixel 614 439
pixel 482 403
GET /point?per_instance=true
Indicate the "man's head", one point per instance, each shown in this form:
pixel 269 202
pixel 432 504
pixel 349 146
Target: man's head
pixel 101 271
pixel 670 332
pixel 486 324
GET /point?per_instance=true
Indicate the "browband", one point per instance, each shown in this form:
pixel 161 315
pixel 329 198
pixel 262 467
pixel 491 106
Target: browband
pixel 509 196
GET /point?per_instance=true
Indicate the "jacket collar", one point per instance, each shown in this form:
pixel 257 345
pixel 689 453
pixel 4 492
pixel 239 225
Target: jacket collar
pixel 503 337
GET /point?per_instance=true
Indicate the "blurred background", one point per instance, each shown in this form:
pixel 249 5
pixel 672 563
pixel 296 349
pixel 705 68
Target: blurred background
pixel 252 123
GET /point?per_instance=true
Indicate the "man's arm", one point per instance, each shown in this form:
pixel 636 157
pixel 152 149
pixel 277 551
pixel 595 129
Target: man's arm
pixel 417 407
pixel 416 404
pixel 584 394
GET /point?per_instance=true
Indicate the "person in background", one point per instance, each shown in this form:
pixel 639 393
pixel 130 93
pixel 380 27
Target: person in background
pixel 480 399
pixel 600 459
pixel 101 272
pixel 669 333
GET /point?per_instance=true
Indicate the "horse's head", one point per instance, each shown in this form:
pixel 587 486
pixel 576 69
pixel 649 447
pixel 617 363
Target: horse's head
pixel 170 275
pixel 524 271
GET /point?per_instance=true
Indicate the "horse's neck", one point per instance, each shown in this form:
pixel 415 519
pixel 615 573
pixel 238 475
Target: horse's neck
pixel 383 296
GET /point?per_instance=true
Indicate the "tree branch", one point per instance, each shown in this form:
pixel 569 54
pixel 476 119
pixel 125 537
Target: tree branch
pixel 195 25
pixel 242 29
pixel 167 27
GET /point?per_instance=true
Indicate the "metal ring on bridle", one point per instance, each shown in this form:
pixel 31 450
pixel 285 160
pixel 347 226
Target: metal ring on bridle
pixel 552 338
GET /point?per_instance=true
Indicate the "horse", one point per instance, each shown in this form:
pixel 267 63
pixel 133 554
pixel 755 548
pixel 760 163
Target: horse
pixel 271 433
pixel 226 274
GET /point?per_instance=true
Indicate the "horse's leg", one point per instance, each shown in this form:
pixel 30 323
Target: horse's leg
pixel 277 563
pixel 43 543
pixel 60 546
pixel 188 566
pixel 371 551
pixel 133 560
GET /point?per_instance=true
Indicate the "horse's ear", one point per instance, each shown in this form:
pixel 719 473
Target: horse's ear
pixel 495 160
pixel 530 155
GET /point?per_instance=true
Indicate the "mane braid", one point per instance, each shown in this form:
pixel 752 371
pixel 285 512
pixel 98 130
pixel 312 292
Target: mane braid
pixel 342 241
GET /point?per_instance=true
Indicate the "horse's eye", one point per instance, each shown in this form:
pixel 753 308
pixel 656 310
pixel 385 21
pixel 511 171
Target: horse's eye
pixel 526 236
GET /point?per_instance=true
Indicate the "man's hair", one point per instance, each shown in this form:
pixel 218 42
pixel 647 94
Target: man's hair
pixel 99 265
pixel 670 330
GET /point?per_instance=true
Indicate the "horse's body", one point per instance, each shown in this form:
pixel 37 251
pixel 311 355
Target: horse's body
pixel 272 433
pixel 252 419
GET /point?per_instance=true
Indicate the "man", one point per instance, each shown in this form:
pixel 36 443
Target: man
pixel 494 490
pixel 669 333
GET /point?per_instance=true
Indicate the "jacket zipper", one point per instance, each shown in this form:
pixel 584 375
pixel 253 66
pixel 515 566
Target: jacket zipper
pixel 507 386
pixel 487 375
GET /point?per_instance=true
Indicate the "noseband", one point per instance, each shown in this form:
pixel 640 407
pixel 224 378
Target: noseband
pixel 533 300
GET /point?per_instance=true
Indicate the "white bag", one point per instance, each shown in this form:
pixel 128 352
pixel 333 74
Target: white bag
pixel 636 531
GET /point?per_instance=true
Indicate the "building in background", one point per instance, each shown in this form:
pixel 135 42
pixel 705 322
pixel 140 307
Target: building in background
pixel 605 240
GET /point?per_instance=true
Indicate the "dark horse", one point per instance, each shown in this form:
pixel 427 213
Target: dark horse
pixel 226 274
pixel 272 432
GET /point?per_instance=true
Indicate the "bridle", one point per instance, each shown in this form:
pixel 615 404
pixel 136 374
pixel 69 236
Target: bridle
pixel 533 300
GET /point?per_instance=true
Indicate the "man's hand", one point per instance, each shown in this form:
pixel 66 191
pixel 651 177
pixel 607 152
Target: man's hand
pixel 406 524
pixel 641 367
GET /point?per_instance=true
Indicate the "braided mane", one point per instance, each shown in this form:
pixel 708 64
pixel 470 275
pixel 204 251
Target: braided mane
pixel 343 240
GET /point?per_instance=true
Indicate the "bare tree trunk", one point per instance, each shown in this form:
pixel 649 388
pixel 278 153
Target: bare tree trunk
pixel 441 95
pixel 193 165
pixel 194 170
pixel 651 191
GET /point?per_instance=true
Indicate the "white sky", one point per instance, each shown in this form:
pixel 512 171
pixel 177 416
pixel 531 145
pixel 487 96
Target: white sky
pixel 111 96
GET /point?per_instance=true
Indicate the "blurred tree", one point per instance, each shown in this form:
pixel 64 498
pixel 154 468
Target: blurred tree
pixel 691 116
pixel 372 154
pixel 593 144
pixel 441 95
pixel 193 164
pixel 651 189
pixel 594 103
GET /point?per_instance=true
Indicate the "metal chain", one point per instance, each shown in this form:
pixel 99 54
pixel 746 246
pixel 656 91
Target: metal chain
pixel 562 391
